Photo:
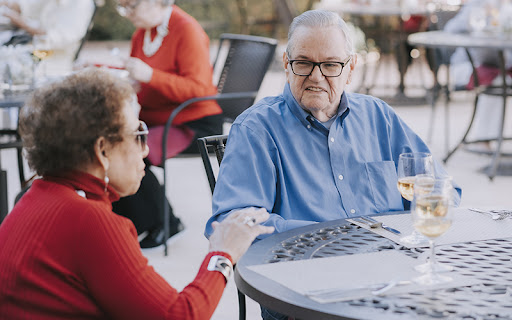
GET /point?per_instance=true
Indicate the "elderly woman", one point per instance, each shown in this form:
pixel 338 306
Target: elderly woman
pixel 170 61
pixel 63 252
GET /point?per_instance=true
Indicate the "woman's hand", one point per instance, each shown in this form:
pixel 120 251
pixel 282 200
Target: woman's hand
pixel 138 70
pixel 235 234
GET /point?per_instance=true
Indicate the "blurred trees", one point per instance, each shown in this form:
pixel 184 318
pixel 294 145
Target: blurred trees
pixel 216 17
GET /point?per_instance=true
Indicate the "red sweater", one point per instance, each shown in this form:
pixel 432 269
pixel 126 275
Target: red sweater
pixel 181 71
pixel 66 257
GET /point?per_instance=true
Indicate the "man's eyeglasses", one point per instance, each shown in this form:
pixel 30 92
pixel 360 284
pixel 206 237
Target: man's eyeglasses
pixel 127 9
pixel 141 135
pixel 327 68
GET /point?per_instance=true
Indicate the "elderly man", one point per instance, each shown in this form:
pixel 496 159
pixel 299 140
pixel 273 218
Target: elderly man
pixel 315 153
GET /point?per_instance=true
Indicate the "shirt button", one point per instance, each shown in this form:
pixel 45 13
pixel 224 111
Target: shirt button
pixel 309 127
pixel 352 211
pixel 332 139
pixel 340 177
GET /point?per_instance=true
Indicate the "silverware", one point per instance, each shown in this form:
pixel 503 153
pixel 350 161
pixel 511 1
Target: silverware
pixel 341 294
pixel 497 215
pixel 372 223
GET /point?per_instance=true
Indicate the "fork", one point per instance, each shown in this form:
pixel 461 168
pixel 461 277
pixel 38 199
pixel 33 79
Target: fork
pixel 496 215
pixel 338 294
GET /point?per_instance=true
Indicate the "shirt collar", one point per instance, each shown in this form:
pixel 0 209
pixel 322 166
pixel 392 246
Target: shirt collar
pixel 303 116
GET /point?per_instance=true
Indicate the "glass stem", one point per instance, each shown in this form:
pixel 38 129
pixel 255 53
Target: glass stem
pixel 432 255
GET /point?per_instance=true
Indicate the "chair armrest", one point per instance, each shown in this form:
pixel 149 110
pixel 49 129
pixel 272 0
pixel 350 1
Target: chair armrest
pixel 217 97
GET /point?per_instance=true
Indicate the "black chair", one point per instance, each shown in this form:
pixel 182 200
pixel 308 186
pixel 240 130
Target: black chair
pixel 217 144
pixel 246 63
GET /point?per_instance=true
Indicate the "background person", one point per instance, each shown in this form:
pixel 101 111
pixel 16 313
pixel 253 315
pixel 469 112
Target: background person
pixel 55 25
pixel 489 109
pixel 63 253
pixel 170 60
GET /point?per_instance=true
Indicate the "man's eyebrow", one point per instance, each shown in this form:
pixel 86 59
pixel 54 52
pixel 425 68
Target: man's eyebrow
pixel 333 58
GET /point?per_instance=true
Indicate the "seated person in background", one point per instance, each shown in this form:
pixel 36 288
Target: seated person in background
pixel 489 109
pixel 316 152
pixel 170 60
pixel 63 253
pixel 56 26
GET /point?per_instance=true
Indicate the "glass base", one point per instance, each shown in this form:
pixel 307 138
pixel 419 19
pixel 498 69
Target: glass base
pixel 436 267
pixel 430 279
pixel 414 238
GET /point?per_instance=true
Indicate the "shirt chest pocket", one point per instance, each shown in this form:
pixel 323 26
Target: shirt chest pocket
pixel 383 184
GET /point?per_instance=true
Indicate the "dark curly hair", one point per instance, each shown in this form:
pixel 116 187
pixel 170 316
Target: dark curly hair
pixel 61 122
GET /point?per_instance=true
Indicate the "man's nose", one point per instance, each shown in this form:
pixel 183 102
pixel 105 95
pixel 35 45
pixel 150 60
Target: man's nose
pixel 316 74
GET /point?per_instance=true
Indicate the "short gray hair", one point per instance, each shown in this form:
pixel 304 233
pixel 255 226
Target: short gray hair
pixel 323 19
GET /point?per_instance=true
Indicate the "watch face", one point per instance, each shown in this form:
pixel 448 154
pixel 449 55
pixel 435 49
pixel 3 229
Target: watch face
pixel 220 264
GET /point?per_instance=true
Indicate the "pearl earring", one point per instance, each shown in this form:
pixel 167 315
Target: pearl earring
pixel 106 179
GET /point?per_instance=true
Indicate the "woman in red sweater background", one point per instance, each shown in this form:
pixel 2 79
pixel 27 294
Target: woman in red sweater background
pixel 170 62
pixel 63 253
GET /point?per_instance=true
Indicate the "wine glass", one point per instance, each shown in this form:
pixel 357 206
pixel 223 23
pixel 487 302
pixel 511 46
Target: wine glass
pixel 41 52
pixel 409 165
pixel 432 217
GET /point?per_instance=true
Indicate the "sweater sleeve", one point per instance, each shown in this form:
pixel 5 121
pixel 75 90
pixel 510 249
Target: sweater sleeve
pixel 194 74
pixel 125 286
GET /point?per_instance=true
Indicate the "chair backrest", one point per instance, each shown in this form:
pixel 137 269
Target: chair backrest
pixel 87 33
pixel 215 144
pixel 247 61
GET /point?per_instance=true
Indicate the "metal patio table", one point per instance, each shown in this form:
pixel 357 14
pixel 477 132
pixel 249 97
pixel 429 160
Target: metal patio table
pixel 9 100
pixel 498 42
pixel 488 261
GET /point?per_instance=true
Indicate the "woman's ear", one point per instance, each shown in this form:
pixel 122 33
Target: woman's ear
pixel 101 151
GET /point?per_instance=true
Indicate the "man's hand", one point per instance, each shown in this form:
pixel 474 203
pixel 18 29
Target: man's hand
pixel 138 70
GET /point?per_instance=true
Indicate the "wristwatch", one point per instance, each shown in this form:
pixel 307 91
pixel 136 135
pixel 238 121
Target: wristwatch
pixel 221 264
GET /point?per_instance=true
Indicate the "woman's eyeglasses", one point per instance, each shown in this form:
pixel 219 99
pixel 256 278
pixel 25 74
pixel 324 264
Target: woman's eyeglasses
pixel 141 135
pixel 127 9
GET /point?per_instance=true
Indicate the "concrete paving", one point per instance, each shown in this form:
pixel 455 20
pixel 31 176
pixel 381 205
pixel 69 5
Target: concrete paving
pixel 190 196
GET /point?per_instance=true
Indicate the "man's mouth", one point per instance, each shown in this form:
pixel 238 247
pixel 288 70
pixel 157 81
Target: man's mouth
pixel 314 89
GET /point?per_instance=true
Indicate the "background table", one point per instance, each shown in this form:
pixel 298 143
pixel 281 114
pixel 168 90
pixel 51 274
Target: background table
pixel 500 43
pixel 488 261
pixel 9 101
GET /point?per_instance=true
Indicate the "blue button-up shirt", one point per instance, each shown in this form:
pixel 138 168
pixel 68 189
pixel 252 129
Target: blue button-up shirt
pixel 281 158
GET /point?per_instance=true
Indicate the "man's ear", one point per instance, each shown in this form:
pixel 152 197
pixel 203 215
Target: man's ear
pixel 352 66
pixel 101 149
pixel 285 64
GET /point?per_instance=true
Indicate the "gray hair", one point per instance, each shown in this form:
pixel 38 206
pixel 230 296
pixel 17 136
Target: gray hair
pixel 323 19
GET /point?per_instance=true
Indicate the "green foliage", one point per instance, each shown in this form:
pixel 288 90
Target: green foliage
pixel 109 25
pixel 216 17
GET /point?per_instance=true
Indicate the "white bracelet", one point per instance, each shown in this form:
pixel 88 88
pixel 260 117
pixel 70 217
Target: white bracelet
pixel 222 265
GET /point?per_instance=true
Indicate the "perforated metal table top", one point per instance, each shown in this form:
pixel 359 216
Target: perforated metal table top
pixel 488 261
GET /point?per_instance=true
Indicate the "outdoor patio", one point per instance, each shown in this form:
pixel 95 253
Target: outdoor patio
pixel 190 196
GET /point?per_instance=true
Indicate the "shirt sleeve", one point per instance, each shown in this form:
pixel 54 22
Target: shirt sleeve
pixel 126 287
pixel 250 180
pixel 67 23
pixel 194 75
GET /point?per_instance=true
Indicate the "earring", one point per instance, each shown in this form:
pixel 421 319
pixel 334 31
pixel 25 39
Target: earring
pixel 106 179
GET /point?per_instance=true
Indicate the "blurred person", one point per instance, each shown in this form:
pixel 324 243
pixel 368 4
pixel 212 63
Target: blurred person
pixel 55 26
pixel 170 61
pixel 63 253
pixel 489 108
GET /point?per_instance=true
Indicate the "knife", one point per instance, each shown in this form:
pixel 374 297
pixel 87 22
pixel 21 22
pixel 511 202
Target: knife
pixel 375 224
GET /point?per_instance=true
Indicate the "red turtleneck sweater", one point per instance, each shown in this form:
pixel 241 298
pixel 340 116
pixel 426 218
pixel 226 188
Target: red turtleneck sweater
pixel 63 256
pixel 181 71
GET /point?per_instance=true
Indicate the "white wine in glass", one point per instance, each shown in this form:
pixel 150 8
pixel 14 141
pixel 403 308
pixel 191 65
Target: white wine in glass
pixel 409 166
pixel 432 217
